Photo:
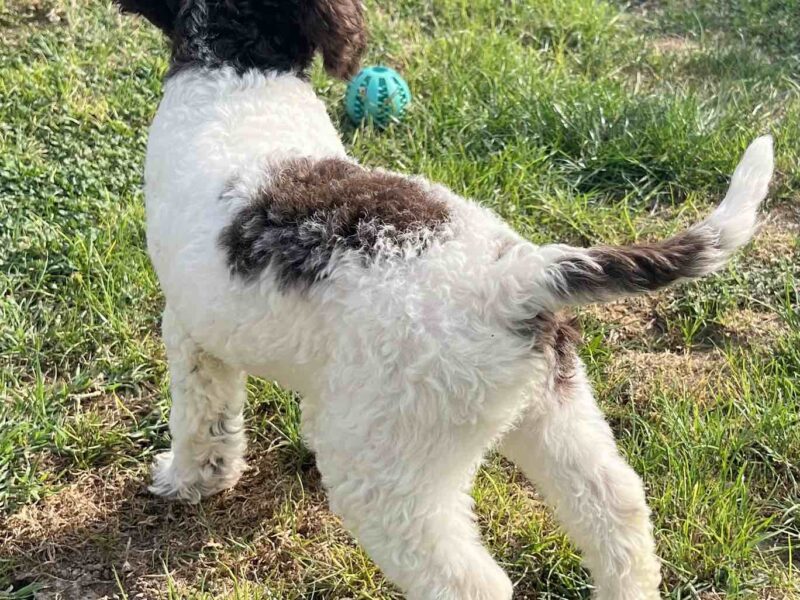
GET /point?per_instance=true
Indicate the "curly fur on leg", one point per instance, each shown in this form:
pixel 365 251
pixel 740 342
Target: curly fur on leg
pixel 208 439
pixel 567 449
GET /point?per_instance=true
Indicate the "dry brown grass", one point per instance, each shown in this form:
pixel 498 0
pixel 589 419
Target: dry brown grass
pixel 638 374
pixel 105 532
pixel 638 319
pixel 106 526
pixel 673 45
pixel 779 233
pixel 18 16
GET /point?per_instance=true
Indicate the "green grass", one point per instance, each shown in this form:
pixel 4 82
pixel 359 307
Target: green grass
pixel 576 120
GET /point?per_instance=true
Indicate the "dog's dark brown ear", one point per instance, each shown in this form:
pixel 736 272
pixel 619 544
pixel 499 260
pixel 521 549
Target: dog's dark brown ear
pixel 160 13
pixel 337 29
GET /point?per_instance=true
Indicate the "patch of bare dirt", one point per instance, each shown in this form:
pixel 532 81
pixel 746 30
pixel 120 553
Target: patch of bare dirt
pixel 637 319
pixel 106 527
pixel 36 12
pixel 643 322
pixel 754 326
pixel 673 45
pixel 637 374
pixel 784 217
pixel 779 235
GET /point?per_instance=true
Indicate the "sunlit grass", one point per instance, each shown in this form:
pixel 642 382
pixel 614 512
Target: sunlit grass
pixel 576 120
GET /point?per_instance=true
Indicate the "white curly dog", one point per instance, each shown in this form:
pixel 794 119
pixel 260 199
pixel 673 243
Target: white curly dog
pixel 419 328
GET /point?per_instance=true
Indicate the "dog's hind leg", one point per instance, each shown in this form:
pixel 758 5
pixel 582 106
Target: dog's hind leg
pixel 206 423
pixel 401 486
pixel 567 450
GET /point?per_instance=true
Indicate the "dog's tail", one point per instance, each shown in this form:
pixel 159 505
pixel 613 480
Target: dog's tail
pixel 572 276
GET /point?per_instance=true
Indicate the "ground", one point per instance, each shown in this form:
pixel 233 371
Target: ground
pixel 577 120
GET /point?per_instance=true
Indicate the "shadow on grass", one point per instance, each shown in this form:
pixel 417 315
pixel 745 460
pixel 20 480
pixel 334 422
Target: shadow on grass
pixel 105 533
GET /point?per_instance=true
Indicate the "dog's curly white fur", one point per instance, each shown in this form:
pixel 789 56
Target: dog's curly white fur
pixel 414 354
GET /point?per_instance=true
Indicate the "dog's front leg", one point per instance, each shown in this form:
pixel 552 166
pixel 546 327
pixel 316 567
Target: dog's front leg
pixel 206 423
pixel 568 452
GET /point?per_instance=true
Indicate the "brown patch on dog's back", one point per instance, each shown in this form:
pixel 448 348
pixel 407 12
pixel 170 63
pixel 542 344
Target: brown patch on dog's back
pixel 310 210
pixel 305 188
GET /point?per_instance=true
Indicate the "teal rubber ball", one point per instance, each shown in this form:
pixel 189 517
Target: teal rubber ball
pixel 377 94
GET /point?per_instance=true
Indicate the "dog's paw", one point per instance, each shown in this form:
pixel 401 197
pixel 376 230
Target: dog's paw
pixel 168 483
pixel 190 485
